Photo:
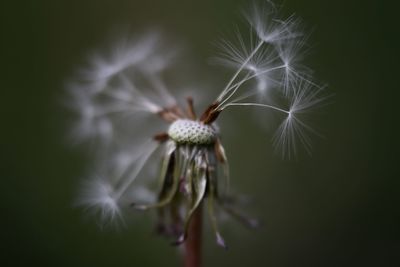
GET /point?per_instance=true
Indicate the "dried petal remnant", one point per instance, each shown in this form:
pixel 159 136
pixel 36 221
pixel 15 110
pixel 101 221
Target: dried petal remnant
pixel 191 132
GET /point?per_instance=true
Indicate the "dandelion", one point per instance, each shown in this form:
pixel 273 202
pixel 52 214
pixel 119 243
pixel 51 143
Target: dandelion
pixel 127 111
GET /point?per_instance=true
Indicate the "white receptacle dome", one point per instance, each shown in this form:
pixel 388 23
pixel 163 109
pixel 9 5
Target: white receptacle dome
pixel 191 132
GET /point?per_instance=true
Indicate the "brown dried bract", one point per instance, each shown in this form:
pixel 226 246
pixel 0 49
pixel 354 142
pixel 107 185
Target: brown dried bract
pixel 210 114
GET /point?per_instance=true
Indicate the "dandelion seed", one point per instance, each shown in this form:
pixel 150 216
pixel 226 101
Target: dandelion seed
pixel 125 106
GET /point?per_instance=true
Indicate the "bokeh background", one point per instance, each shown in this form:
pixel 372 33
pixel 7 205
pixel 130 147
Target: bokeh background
pixel 339 207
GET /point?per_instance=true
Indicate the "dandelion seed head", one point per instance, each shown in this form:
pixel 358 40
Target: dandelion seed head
pixel 124 105
pixel 184 131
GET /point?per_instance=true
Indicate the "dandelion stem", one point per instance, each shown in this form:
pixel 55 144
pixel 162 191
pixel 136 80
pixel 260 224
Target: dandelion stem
pixel 255 75
pixel 192 257
pixel 256 105
pixel 226 90
pixel 233 88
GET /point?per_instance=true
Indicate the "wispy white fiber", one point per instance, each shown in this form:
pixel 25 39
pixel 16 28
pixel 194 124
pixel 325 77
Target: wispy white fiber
pixel 269 66
pixel 98 196
pixel 104 193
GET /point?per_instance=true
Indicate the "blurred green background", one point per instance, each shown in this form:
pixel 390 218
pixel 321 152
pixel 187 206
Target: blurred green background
pixel 339 207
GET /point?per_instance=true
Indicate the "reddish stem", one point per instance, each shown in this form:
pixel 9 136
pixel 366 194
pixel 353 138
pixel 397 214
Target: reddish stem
pixel 192 257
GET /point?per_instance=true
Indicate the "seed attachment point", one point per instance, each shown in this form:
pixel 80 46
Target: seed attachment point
pixel 191 132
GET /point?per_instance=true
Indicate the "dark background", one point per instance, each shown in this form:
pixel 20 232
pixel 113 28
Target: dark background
pixel 339 207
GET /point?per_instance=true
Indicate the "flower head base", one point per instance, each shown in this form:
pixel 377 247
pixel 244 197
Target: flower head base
pixel 125 106
pixel 189 173
pixel 184 131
